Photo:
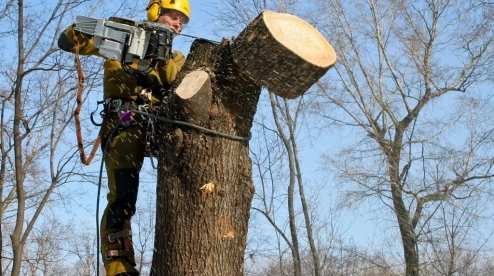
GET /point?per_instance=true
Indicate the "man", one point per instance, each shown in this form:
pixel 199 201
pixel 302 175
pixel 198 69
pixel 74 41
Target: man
pixel 124 153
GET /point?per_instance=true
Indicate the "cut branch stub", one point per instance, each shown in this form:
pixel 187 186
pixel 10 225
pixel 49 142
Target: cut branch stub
pixel 283 53
pixel 192 83
pixel 193 92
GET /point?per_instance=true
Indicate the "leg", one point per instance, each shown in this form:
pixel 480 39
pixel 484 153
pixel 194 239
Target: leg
pixel 123 159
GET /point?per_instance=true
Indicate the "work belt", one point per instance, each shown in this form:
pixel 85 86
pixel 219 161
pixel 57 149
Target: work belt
pixel 147 123
pixel 116 105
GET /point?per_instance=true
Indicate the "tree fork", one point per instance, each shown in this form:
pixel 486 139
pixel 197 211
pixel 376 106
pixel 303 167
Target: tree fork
pixel 205 185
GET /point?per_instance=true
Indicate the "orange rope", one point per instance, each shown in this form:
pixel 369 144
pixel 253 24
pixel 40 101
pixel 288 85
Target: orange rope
pixel 77 111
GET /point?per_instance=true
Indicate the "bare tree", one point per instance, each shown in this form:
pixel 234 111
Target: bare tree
pixel 25 123
pixel 46 254
pixel 459 246
pixel 38 156
pixel 289 119
pixel 83 249
pixel 402 66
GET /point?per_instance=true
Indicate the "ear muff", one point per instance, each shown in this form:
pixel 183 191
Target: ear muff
pixel 154 9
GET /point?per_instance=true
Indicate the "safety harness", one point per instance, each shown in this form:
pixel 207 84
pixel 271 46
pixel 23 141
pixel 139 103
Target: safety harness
pixel 126 109
pixel 123 106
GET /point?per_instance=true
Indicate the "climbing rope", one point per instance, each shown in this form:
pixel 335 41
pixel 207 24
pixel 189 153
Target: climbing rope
pixel 77 111
pixel 207 130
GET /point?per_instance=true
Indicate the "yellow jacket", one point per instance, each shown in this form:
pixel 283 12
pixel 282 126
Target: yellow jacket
pixel 116 82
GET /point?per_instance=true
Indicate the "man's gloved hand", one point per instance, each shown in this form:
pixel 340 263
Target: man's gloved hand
pixel 168 70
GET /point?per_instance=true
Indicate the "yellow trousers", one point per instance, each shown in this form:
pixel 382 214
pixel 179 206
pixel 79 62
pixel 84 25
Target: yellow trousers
pixel 123 156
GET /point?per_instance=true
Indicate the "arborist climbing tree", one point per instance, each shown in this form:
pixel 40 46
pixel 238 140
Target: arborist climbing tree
pixel 127 137
pixel 205 110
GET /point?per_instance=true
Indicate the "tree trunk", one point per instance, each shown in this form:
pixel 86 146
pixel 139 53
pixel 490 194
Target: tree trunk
pixel 408 236
pixel 407 231
pixel 205 185
pixel 17 244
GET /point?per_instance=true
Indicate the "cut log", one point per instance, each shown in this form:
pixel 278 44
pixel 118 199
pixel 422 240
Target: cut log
pixel 283 53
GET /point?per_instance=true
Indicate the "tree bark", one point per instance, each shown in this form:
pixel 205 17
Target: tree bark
pixel 205 185
pixel 283 53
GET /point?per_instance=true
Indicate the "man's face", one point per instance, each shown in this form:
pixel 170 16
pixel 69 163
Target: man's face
pixel 173 19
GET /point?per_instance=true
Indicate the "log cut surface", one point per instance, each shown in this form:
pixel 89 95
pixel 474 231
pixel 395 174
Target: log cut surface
pixel 192 84
pixel 194 96
pixel 283 53
pixel 300 38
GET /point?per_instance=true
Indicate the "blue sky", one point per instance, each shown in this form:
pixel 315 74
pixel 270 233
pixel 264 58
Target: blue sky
pixel 361 224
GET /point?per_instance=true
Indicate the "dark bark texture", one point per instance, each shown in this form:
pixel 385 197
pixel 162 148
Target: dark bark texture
pixel 205 185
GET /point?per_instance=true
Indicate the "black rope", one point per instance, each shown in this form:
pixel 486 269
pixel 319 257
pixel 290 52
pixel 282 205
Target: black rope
pixel 229 136
pixel 97 213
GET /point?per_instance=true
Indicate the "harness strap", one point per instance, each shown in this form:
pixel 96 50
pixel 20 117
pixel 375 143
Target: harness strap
pixel 124 238
pixel 110 254
pixel 116 104
pixel 143 119
pixel 113 237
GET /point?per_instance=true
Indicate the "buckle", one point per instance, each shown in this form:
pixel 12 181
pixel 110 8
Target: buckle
pixel 110 239
pixel 113 105
pixel 113 237
pixel 107 257
pixel 112 253
pixel 146 94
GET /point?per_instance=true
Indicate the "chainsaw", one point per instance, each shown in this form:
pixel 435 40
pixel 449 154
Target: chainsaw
pixel 128 40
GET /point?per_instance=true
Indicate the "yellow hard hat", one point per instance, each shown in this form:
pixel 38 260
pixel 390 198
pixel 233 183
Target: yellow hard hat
pixel 155 8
